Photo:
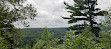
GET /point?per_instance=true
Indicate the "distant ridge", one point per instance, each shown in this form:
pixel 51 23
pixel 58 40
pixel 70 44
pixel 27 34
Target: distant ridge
pixel 42 28
pixel 30 33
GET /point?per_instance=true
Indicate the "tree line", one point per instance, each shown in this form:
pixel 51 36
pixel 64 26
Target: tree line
pixel 82 36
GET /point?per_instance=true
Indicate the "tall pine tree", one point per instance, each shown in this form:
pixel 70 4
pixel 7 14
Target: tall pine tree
pixel 84 10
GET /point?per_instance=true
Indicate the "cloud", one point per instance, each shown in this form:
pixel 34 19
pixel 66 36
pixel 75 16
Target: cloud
pixel 50 12
pixel 104 4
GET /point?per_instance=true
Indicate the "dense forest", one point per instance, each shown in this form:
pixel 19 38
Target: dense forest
pixel 31 33
pixel 89 35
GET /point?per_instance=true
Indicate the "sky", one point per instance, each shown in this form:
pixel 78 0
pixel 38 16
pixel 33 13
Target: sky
pixel 50 12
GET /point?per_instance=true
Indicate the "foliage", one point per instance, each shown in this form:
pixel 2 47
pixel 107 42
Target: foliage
pixel 106 33
pixel 46 41
pixel 84 10
pixel 31 33
pixel 3 43
pixel 84 40
pixel 12 11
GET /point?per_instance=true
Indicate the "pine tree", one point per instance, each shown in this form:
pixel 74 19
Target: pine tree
pixel 84 10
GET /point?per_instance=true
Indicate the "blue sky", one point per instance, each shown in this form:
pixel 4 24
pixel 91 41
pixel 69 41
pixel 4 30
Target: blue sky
pixel 50 12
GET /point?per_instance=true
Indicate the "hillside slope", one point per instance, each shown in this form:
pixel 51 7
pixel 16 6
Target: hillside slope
pixel 30 33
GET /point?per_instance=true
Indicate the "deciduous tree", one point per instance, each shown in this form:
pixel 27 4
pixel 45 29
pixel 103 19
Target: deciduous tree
pixel 10 12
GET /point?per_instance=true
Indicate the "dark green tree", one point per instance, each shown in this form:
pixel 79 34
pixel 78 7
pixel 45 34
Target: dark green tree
pixel 10 12
pixel 84 10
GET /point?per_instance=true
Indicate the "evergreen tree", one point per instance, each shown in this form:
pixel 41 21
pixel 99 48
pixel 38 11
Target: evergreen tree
pixel 84 10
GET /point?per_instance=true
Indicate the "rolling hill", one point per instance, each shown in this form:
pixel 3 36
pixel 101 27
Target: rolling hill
pixel 31 33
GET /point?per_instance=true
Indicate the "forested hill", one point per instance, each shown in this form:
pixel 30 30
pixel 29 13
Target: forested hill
pixel 30 33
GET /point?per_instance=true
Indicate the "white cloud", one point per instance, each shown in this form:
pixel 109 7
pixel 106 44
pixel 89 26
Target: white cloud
pixel 50 12
pixel 104 4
